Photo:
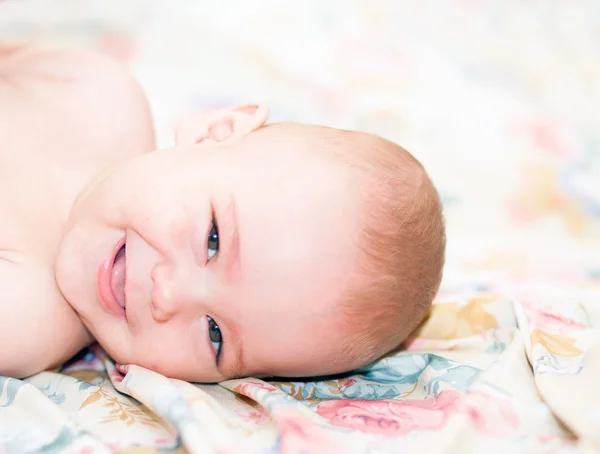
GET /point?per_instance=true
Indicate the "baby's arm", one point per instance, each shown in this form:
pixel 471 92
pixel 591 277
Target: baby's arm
pixel 24 345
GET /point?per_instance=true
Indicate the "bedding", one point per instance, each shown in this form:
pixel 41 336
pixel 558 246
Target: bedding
pixel 499 100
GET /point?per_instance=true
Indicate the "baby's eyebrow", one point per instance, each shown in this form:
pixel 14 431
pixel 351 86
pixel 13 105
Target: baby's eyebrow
pixel 233 357
pixel 235 364
pixel 232 259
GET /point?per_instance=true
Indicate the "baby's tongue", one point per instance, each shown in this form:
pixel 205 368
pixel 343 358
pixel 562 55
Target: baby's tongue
pixel 117 282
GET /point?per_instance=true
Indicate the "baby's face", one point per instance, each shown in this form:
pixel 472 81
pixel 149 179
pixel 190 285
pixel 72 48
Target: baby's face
pixel 207 262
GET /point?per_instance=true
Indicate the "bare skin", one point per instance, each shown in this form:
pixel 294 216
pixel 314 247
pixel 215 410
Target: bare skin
pixel 58 128
pixel 80 185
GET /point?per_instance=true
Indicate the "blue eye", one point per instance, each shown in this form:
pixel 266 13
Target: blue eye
pixel 213 241
pixel 215 336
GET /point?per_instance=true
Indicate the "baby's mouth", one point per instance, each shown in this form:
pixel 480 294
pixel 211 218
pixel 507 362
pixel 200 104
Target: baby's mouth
pixel 117 280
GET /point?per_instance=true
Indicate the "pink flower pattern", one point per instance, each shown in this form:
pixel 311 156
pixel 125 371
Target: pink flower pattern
pixel 552 320
pixel 391 417
pixel 489 415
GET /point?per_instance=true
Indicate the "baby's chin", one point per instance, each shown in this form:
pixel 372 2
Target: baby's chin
pixel 115 354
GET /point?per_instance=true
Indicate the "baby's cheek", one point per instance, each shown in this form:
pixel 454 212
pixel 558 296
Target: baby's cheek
pixel 156 351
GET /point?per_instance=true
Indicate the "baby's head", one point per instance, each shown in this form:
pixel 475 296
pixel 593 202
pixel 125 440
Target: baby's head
pixel 401 244
pixel 286 250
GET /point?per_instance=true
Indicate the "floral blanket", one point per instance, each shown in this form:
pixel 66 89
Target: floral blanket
pixel 499 100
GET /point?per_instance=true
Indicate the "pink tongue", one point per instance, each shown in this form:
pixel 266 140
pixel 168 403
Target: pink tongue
pixel 117 282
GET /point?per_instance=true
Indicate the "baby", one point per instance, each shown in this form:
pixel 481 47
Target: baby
pixel 247 249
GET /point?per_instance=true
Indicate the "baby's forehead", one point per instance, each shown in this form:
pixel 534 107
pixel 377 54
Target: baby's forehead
pixel 344 163
pixel 342 149
pixel 303 138
pixel 291 151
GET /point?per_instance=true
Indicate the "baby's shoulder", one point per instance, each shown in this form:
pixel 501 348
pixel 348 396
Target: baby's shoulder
pixel 23 62
pixel 80 100
pixel 90 82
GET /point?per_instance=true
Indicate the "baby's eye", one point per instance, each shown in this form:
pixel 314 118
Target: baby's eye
pixel 215 336
pixel 213 241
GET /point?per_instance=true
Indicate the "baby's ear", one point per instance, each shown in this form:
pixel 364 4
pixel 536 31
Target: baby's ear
pixel 222 125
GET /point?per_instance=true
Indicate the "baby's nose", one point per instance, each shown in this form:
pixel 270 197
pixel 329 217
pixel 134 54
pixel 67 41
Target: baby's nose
pixel 170 293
